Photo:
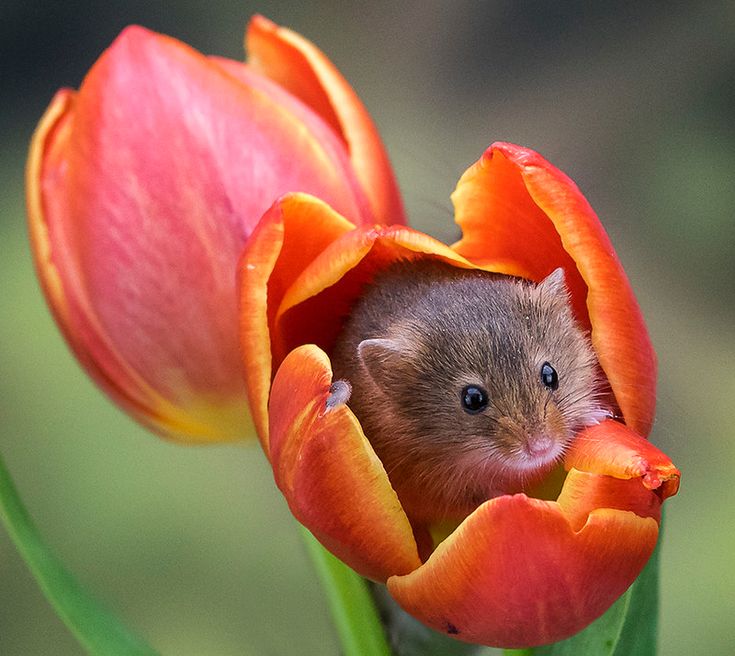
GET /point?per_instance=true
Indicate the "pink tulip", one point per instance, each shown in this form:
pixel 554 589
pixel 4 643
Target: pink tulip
pixel 144 186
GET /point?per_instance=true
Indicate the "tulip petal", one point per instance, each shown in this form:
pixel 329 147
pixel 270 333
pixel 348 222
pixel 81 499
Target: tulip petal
pixel 46 157
pixel 612 449
pixel 322 134
pixel 297 65
pixel 584 492
pixel 516 573
pixel 317 302
pixel 288 237
pixel 327 469
pixel 518 211
pixel 47 197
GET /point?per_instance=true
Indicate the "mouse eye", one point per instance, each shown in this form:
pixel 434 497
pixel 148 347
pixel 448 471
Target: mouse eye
pixel 474 399
pixel 549 377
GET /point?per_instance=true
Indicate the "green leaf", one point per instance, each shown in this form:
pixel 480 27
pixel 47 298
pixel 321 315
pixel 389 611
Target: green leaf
pixel 628 628
pixel 353 611
pixel 99 632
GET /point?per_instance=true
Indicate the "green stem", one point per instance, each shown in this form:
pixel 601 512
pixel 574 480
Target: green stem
pixel 517 652
pixel 352 607
pixel 99 632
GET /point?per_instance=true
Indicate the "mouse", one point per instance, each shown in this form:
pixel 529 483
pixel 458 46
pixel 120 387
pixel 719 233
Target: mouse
pixel 467 384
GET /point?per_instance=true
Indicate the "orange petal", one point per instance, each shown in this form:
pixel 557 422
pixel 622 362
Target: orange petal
pixel 612 449
pixel 315 305
pixel 525 217
pixel 516 573
pixel 286 240
pixel 333 481
pixel 583 493
pixel 301 68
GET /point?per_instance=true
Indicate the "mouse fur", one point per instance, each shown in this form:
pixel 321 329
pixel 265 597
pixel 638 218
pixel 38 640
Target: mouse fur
pixel 424 331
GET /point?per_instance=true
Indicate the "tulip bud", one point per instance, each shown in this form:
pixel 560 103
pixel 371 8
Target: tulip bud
pixel 518 571
pixel 143 188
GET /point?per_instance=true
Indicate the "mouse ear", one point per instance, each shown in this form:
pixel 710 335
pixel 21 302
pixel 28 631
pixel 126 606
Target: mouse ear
pixel 381 358
pixel 555 284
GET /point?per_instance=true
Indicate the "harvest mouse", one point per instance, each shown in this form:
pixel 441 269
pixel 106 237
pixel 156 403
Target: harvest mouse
pixel 467 384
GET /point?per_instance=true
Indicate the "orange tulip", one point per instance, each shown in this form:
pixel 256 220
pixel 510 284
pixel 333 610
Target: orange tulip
pixel 518 571
pixel 143 187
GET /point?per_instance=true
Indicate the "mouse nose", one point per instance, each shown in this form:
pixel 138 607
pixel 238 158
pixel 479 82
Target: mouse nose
pixel 539 444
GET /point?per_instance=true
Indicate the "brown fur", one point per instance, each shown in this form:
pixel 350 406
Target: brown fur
pixel 421 332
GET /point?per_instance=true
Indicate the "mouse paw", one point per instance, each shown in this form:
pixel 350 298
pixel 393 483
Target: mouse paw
pixel 339 393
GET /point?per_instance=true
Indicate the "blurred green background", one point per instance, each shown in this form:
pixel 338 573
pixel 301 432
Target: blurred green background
pixel 193 546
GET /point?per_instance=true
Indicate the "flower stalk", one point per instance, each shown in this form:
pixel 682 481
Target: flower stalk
pixel 353 611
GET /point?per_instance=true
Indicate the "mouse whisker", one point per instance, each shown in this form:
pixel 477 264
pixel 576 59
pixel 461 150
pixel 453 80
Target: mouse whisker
pixel 546 403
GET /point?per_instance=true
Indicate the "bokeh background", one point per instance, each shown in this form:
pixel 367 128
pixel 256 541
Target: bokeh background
pixel 193 546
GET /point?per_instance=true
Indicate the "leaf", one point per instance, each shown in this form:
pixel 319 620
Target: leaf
pixel 99 632
pixel 628 628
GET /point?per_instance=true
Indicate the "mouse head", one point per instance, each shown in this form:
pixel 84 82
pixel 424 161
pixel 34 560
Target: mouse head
pixel 492 367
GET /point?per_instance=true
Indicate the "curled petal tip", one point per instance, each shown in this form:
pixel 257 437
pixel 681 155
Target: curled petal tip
pixel 612 449
pixel 260 22
pixel 663 478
